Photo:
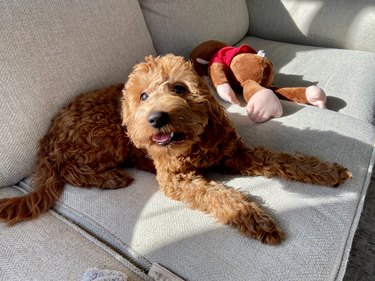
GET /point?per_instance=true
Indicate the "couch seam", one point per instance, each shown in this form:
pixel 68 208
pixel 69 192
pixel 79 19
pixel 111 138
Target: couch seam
pixel 69 213
pixel 102 245
pixel 126 261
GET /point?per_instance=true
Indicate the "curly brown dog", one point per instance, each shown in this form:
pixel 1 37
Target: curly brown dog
pixel 169 112
pixel 86 146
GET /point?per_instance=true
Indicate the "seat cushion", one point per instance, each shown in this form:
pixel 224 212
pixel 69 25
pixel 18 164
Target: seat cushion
pixel 345 75
pixel 320 222
pixel 179 26
pixel 51 51
pixel 51 248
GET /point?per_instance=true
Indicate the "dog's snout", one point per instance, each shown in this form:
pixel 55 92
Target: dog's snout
pixel 158 119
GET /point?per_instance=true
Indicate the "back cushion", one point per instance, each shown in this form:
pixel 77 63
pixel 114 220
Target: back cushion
pixel 180 25
pixel 343 24
pixel 51 51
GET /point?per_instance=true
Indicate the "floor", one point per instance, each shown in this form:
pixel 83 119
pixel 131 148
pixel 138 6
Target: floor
pixel 361 265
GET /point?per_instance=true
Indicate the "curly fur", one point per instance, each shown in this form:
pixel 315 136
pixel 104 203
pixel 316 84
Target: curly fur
pixel 207 140
pixel 170 116
pixel 85 146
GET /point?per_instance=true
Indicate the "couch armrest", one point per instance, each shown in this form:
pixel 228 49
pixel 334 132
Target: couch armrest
pixel 336 23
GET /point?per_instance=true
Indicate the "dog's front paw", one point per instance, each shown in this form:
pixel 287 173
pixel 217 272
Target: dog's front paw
pixel 272 236
pixel 251 221
pixel 339 175
pixel 329 174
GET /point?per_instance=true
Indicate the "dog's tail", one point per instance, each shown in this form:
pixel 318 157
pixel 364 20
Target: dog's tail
pixel 49 187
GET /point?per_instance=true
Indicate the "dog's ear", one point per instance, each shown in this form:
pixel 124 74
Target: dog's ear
pixel 124 108
pixel 215 110
pixel 149 59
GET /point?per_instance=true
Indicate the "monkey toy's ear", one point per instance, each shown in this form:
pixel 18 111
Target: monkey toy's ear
pixel 202 61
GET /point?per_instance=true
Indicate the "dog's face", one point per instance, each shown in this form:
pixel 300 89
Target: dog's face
pixel 165 105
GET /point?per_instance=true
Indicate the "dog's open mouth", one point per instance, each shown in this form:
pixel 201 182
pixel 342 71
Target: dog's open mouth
pixel 167 138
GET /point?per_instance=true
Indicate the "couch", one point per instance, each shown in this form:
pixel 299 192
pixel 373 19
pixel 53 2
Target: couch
pixel 51 51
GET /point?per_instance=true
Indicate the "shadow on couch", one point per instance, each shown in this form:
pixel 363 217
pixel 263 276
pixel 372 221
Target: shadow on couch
pixel 142 224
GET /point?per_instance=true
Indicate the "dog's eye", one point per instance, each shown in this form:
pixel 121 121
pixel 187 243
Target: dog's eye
pixel 180 89
pixel 144 96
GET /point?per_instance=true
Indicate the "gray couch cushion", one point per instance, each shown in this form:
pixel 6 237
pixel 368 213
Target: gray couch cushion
pixel 335 23
pixel 178 26
pixel 320 221
pixel 51 51
pixel 346 76
pixel 51 248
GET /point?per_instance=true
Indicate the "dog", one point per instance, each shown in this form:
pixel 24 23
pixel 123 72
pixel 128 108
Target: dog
pixel 86 146
pixel 164 120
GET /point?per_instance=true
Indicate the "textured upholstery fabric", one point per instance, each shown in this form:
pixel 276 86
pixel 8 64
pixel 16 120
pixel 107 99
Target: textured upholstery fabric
pixel 346 76
pixel 52 248
pixel 335 23
pixel 178 26
pixel 320 221
pixel 51 51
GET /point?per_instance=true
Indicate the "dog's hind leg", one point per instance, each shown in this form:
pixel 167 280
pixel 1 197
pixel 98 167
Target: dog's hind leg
pixel 84 176
pixel 226 204
pixel 259 161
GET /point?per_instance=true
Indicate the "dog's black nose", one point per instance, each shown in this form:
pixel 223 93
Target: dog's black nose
pixel 158 119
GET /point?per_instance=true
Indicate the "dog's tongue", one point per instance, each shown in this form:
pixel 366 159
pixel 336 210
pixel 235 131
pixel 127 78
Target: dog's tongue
pixel 162 138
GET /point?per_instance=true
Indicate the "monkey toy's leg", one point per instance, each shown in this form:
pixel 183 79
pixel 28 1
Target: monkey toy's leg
pixel 311 95
pixel 255 74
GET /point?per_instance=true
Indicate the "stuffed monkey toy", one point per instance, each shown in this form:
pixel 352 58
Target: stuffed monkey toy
pixel 250 70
